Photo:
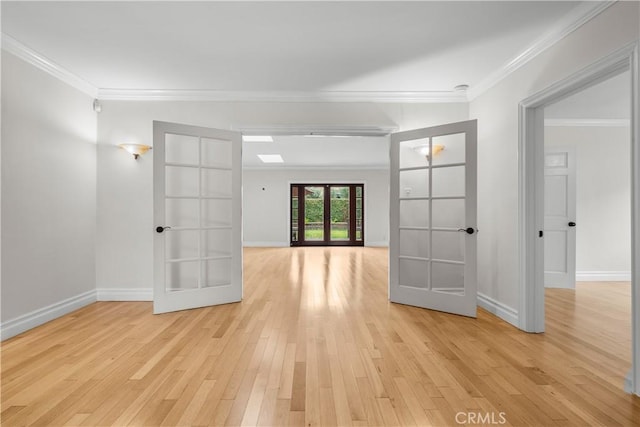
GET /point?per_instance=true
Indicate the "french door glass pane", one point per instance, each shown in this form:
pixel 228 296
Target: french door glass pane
pixel 359 219
pixel 182 212
pixel 181 149
pixel 314 213
pixel 294 213
pixel 448 278
pixel 181 244
pixel 181 181
pixel 339 203
pixel 414 183
pixel 414 273
pixel 216 183
pixel 448 181
pixel 216 272
pixel 414 213
pixel 215 153
pixel 414 153
pixel 448 245
pixel 181 275
pixel 452 149
pixel 448 213
pixel 414 243
pixel 216 243
pixel 216 212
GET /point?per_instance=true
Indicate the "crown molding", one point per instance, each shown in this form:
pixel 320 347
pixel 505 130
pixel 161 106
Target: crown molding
pixel 27 54
pixel 588 122
pixel 579 16
pixel 280 96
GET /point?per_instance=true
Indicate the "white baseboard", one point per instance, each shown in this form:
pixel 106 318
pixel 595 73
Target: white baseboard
pixel 503 311
pixel 43 315
pixel 381 244
pixel 603 276
pixel 124 294
pixel 248 244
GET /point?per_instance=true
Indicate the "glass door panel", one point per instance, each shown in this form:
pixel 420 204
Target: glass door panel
pixel 294 214
pixel 359 231
pixel 339 205
pixel 313 214
pixel 197 210
pixel 327 214
pixel 432 256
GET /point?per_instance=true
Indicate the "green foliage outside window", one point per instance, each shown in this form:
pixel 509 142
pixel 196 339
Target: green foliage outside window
pixel 314 210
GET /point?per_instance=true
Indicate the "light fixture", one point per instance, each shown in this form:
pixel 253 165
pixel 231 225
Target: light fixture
pixel 270 158
pixel 461 88
pixel 423 149
pixel 136 149
pixel 257 138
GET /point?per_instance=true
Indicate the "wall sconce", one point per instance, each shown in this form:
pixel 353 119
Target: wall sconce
pixel 423 149
pixel 136 149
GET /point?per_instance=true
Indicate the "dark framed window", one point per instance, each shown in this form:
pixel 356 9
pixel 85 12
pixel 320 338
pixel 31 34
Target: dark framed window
pixel 327 214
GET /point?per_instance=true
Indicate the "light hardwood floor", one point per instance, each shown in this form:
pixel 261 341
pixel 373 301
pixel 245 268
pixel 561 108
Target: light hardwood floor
pixel 315 342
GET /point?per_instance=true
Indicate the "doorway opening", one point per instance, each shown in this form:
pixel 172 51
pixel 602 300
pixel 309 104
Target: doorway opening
pixel 327 214
pixel 531 154
pixel 587 222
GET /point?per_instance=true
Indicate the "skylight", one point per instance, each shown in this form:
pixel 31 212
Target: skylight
pixel 257 138
pixel 270 158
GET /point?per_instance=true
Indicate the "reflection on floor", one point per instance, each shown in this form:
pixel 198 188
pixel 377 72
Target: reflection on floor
pixel 316 342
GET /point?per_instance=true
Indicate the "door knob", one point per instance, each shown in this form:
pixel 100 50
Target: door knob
pixel 572 224
pixel 468 230
pixel 161 229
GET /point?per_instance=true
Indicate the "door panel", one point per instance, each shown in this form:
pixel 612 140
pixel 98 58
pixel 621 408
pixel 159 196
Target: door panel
pixel 559 211
pixel 197 212
pixel 314 214
pixel 339 206
pixel 433 203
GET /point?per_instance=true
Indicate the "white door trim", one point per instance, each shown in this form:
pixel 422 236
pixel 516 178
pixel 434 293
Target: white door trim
pixel 531 187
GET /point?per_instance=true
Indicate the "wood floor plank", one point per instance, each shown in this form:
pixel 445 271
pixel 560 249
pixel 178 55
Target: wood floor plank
pixel 315 341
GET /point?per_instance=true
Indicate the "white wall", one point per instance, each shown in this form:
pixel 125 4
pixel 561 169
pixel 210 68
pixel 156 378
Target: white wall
pixel 497 114
pixel 266 212
pixel 603 195
pixel 125 206
pixel 48 190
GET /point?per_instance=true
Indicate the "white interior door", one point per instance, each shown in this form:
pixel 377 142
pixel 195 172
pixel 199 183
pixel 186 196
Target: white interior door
pixel 432 248
pixel 198 218
pixel 559 218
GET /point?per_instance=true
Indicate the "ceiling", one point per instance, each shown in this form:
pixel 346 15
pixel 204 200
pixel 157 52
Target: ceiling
pixel 313 46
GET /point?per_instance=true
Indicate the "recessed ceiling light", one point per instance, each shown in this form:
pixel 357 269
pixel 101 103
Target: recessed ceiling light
pixel 270 158
pixel 257 138
pixel 461 88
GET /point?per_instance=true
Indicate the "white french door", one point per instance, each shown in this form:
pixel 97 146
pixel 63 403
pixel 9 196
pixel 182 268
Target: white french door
pixel 432 248
pixel 197 215
pixel 559 218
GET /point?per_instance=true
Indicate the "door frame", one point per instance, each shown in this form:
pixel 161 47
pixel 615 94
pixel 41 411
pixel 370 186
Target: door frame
pixel 531 192
pixel 327 212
